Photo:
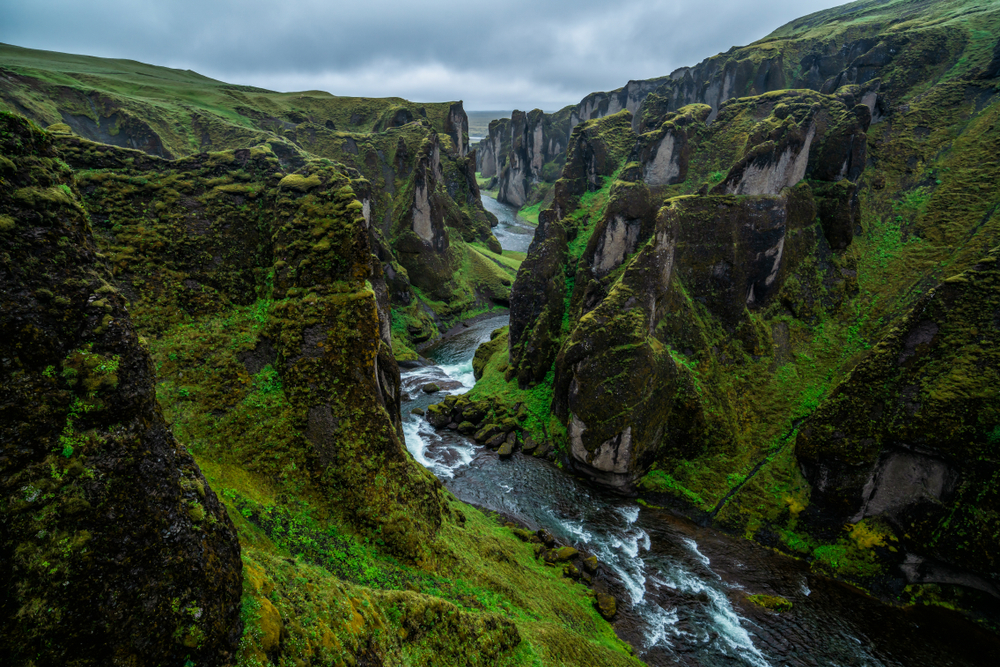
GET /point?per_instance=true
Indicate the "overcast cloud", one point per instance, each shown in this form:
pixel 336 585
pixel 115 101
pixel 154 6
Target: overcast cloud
pixel 499 55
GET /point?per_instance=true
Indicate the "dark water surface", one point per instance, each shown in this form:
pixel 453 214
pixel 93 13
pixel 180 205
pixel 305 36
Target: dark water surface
pixel 512 232
pixel 682 587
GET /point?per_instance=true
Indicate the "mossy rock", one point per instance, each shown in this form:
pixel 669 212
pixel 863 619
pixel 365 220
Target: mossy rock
pixel 487 432
pixel 772 602
pixel 561 555
pixel 606 605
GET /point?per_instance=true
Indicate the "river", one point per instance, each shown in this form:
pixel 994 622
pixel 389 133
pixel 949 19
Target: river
pixel 682 587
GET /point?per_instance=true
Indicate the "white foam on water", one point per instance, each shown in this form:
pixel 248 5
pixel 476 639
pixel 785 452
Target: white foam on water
pixel 630 514
pixel 577 530
pixel 805 587
pixel 693 546
pixel 415 443
pixel 635 582
pixel 460 373
pixel 627 544
pixel 421 436
pixel 725 620
pixel 661 623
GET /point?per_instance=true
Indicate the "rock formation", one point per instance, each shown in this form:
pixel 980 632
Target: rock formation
pixel 752 299
pixel 113 548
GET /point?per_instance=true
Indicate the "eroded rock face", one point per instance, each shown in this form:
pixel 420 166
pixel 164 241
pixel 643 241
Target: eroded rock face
pixel 423 249
pixel 907 436
pixel 113 549
pixel 492 150
pixel 648 281
pixel 628 399
pixel 742 72
pixel 456 125
pixel 535 140
pixel 537 301
pixel 308 253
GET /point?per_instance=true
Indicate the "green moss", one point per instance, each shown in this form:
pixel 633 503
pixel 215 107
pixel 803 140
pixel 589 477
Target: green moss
pixel 772 602
pixel 494 385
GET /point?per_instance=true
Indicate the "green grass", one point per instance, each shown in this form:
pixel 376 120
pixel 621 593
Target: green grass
pixel 530 213
pixel 183 106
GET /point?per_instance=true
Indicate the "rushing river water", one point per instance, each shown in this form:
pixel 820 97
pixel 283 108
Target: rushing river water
pixel 682 587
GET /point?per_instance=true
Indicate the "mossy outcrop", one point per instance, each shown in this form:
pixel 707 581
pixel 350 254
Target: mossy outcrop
pixel 267 320
pixel 911 435
pixel 537 148
pixel 735 251
pixel 113 547
pixel 415 158
pixel 187 244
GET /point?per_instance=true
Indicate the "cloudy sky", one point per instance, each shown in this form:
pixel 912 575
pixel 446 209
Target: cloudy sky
pixel 498 55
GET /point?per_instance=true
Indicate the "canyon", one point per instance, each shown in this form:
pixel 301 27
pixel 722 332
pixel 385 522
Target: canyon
pixel 286 380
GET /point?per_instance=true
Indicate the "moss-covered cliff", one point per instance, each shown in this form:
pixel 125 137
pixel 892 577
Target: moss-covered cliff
pixel 113 548
pixel 722 275
pixel 253 278
pixel 428 221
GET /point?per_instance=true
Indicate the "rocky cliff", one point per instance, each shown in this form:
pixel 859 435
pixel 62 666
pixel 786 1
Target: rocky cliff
pixel 251 290
pixel 733 303
pixel 393 143
pixel 813 53
pixel 113 548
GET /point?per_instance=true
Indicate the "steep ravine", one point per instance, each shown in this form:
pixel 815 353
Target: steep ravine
pixel 682 589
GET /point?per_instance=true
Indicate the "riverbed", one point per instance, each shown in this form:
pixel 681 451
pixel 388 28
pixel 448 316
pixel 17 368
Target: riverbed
pixel 681 588
pixel 514 233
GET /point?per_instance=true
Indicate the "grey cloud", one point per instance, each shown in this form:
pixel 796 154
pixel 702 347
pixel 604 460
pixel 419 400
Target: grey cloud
pixel 493 55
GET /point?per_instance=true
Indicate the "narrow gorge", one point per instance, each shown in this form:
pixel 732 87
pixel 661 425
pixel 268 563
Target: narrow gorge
pixel 704 370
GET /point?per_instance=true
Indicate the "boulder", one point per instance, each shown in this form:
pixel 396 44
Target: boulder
pixel 560 555
pixel 487 432
pixel 606 605
pixel 437 416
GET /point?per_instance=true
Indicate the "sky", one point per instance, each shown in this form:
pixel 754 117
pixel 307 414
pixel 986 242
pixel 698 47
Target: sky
pixel 499 55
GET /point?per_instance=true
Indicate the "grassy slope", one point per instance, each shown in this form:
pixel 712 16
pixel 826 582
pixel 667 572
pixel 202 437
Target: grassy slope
pixel 179 104
pixel 191 113
pixel 337 591
pixel 320 586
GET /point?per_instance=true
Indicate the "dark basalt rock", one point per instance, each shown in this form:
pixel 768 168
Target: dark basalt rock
pixel 904 438
pixel 537 302
pixel 113 548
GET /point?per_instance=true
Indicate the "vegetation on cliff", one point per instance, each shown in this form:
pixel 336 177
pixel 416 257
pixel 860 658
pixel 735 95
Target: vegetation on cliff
pixel 720 269
pixel 422 195
pixel 264 311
